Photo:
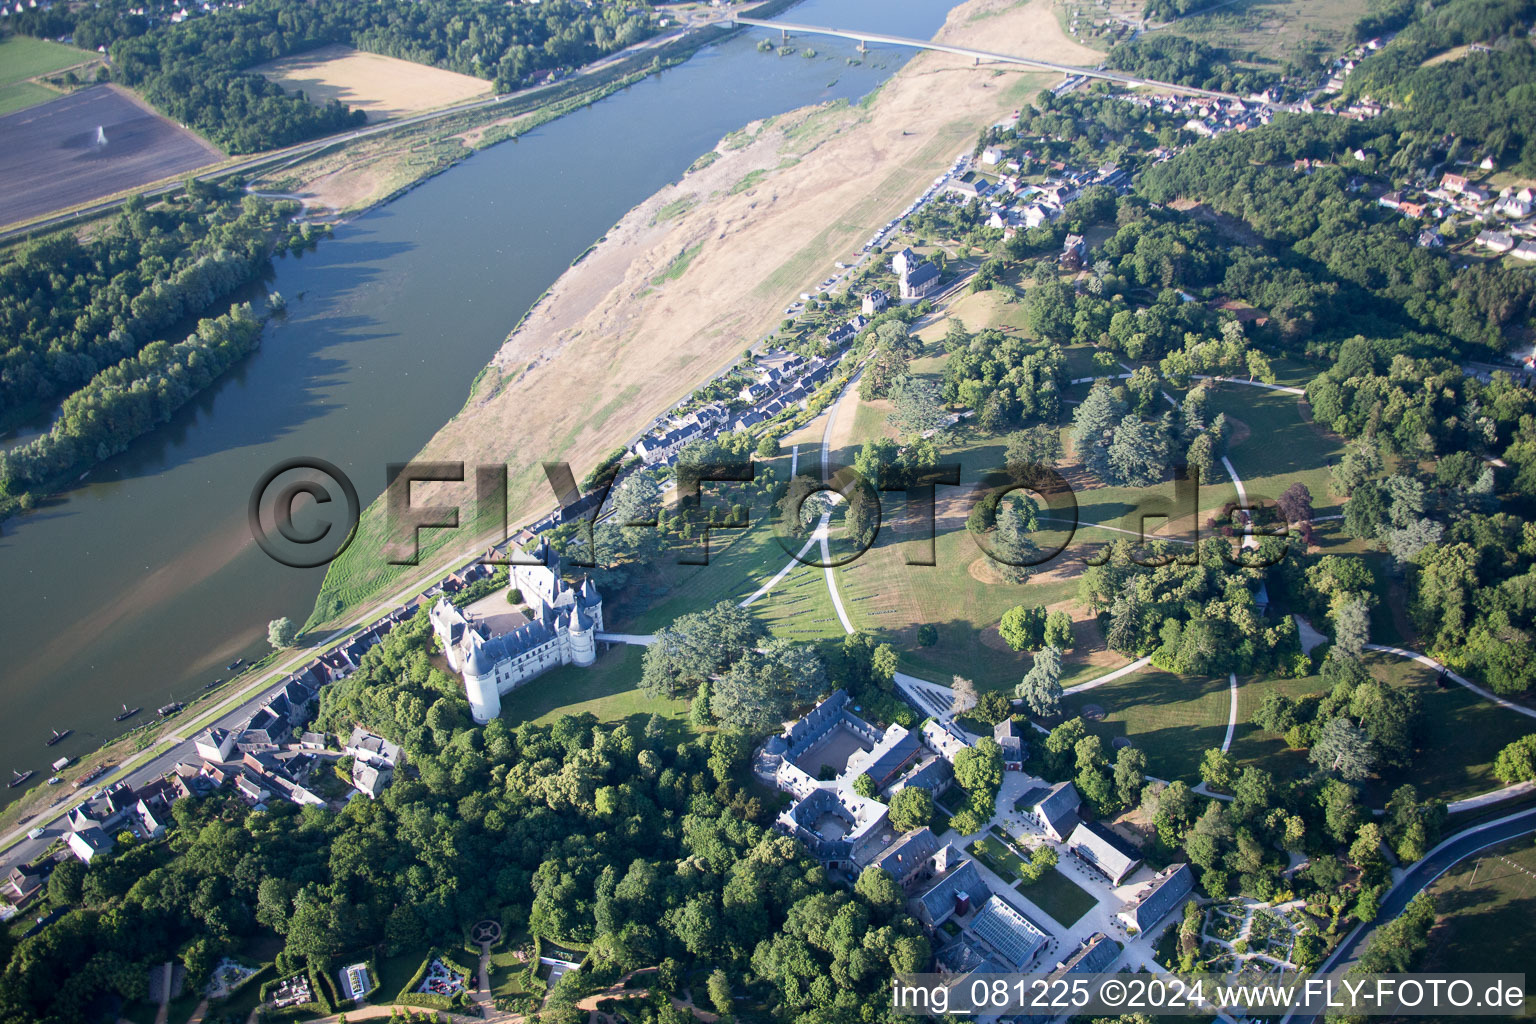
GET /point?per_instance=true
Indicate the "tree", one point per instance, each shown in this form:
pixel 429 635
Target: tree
pixel 1041 687
pixel 768 446
pixel 1365 851
pixel 1296 503
pixel 964 695
pixel 755 693
pixel 1130 775
pixel 1340 812
pixel 1138 453
pixel 993 707
pixel 1351 624
pixel 1061 748
pixel 1023 627
pixel 1210 833
pixel 1093 428
pixel 918 408
pixel 1012 546
pixel 1049 310
pixel 1345 750
pixel 911 808
pixel 719 987
pixel 1217 770
pixel 282 633
pixel 1517 761
pixel 1034 447
pixel 864 785
pixel 979 769
pixel 1058 630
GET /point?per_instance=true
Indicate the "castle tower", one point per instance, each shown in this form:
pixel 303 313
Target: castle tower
pixel 583 638
pixel 480 681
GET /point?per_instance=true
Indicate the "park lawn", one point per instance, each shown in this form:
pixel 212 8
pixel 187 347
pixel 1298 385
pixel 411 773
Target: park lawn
pixel 1175 720
pixel 608 689
pixel 1252 745
pixel 1485 904
pixel 1059 896
pixel 998 857
pixel 505 975
pixel 1460 735
pixel 395 971
pixel 1281 447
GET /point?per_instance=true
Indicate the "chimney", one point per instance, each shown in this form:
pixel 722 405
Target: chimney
pixel 962 903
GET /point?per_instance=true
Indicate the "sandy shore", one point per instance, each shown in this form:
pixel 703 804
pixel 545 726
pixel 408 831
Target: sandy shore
pixel 614 342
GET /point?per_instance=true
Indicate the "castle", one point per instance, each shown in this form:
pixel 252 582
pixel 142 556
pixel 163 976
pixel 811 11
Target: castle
pixel 499 652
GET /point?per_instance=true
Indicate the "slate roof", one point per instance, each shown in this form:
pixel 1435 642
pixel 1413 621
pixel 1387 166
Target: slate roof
pixel 1104 850
pixel 939 900
pixel 964 956
pixel 908 853
pixel 1170 890
pixel 893 759
pixel 921 274
pixel 1057 805
pixel 1094 957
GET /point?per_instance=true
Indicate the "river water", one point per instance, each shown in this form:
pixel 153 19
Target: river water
pixel 142 583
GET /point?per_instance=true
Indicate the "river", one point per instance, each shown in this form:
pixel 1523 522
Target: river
pixel 139 585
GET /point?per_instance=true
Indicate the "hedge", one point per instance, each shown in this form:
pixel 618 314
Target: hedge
pixel 408 996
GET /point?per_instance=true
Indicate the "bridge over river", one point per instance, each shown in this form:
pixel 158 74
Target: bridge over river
pixel 866 38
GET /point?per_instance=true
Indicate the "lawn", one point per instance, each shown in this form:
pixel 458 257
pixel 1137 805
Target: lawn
pixel 395 971
pixel 1173 719
pixel 1280 447
pixel 23 58
pixel 991 852
pixel 608 689
pixel 1059 896
pixel 1252 745
pixel 506 975
pixel 1486 903
pixel 1460 735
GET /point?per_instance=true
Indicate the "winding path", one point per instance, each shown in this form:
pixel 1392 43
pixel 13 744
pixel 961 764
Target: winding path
pixel 1424 659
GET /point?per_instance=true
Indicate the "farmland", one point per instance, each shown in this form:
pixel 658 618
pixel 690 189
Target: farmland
pixel 383 87
pixel 23 59
pixel 51 157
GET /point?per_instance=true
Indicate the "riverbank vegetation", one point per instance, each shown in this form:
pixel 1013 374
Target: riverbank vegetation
pixel 76 315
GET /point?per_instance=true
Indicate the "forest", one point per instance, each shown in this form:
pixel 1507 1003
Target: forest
pixel 195 72
pixel 129 399
pixel 71 310
pixel 1171 58
pixel 642 843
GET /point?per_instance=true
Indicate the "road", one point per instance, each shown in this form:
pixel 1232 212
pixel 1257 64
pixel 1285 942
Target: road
pixel 985 55
pixel 1441 859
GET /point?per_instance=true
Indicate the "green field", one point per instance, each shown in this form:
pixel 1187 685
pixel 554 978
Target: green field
pixel 1059 896
pixel 1486 903
pixel 1173 719
pixel 1273 30
pixel 23 58
pixel 608 689
pixel 1460 733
